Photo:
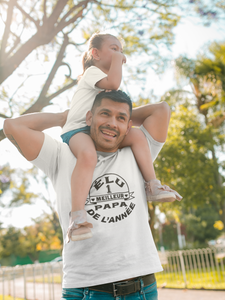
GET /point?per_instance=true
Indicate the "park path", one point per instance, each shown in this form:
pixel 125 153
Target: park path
pixel 172 294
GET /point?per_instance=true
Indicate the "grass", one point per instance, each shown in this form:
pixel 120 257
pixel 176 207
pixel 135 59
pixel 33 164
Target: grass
pixel 56 278
pixel 9 298
pixel 195 280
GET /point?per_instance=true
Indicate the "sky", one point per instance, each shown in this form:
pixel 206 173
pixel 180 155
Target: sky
pixel 190 39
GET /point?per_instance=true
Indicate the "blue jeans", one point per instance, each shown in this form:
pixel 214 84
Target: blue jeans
pixel 148 292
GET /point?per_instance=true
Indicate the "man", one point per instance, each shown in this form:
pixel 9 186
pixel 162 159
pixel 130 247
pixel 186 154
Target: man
pixel 121 258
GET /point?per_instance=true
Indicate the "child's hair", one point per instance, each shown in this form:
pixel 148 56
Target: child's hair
pixel 95 41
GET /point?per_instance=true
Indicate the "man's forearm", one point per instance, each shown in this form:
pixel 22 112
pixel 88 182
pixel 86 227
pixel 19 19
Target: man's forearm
pixel 25 132
pixel 37 121
pixel 155 118
pixel 140 114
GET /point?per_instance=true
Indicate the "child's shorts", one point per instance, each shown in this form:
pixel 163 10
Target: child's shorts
pixel 67 136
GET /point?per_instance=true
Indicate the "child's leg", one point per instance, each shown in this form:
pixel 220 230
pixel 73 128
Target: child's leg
pixel 139 145
pixel 83 148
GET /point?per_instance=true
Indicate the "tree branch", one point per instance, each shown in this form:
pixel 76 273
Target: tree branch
pixel 68 66
pixel 42 100
pixel 74 8
pixel 4 116
pixel 63 89
pixel 56 12
pixel 55 67
pixel 43 36
pixel 7 29
pixel 62 24
pixel 45 101
pixel 37 23
pixel 72 20
pixel 17 41
pixel 44 7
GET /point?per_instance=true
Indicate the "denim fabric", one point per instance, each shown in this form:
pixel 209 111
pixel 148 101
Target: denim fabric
pixel 67 136
pixel 146 293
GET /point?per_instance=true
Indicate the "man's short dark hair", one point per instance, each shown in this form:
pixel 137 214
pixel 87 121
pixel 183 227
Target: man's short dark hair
pixel 117 96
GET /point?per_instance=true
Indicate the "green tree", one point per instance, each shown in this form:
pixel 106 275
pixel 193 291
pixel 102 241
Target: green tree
pixel 10 242
pixel 30 240
pixel 187 164
pixel 206 78
pixel 200 225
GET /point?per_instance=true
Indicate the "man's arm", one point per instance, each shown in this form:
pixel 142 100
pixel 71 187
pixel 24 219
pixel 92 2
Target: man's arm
pixel 155 118
pixel 25 132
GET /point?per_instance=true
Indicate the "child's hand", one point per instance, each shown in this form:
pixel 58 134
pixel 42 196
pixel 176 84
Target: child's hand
pixel 119 55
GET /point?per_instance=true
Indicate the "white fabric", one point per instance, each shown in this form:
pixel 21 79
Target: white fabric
pixel 83 99
pixel 122 246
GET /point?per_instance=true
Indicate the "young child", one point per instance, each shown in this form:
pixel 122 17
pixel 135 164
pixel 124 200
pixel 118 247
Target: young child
pixel 102 65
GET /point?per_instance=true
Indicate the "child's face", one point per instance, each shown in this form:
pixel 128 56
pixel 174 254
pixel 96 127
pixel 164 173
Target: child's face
pixel 109 46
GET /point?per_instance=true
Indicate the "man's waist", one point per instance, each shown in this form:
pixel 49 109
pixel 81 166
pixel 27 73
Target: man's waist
pixel 125 287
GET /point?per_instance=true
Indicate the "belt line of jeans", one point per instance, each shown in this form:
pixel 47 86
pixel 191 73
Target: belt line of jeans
pixel 124 287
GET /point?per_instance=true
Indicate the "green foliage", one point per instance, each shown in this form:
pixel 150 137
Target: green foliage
pixel 10 242
pixel 185 163
pixel 31 240
pixel 207 78
pixel 209 11
pixel 5 179
pixel 200 225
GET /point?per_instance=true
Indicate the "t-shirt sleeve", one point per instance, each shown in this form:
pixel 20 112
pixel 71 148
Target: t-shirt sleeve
pixel 47 160
pixel 92 75
pixel 155 147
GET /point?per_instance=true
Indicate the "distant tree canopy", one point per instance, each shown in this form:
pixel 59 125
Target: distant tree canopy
pixel 192 156
pixel 30 240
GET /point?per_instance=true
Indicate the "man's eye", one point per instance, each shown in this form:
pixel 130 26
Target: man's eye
pixel 122 118
pixel 105 113
pixel 115 49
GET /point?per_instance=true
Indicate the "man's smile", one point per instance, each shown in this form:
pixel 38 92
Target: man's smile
pixel 109 133
pixel 110 124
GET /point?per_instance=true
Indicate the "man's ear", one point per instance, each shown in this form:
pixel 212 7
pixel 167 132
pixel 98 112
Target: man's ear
pixel 89 118
pixel 95 54
pixel 129 127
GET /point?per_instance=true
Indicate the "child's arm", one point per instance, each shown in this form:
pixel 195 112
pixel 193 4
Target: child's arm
pixel 114 76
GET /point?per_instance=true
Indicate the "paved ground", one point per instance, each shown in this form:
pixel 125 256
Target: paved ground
pixel 172 294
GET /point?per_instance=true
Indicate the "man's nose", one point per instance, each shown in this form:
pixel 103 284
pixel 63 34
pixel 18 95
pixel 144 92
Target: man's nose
pixel 112 122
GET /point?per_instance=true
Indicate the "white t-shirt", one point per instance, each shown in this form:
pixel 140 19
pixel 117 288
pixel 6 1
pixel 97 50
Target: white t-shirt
pixel 83 99
pixel 122 246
